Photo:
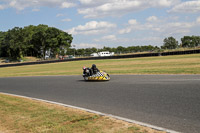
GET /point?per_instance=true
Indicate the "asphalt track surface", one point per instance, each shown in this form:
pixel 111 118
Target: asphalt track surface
pixel 168 101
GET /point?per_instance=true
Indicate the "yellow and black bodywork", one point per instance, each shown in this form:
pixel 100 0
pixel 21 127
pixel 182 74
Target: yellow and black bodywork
pixel 100 76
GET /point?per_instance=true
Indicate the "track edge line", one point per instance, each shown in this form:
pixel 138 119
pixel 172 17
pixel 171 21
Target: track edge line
pixel 97 112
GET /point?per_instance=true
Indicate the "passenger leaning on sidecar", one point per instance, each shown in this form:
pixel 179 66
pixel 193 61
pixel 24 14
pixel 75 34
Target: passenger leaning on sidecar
pixel 94 69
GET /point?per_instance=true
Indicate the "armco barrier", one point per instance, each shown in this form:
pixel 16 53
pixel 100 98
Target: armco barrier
pixel 181 52
pixel 107 57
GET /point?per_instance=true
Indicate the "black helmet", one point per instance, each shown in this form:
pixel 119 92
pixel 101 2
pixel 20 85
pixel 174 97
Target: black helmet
pixel 93 66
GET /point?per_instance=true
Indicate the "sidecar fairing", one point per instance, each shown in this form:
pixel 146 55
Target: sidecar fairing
pixel 100 76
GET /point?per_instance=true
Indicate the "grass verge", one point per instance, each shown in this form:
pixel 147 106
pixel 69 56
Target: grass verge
pixel 25 115
pixel 180 64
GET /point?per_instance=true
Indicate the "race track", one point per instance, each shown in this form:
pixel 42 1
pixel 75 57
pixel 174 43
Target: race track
pixel 168 101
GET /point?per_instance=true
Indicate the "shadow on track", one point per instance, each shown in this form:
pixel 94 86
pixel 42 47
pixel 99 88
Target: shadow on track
pixel 89 81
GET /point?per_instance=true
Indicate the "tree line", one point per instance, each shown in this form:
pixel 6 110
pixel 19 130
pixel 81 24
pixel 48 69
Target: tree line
pixel 34 41
pixel 168 43
pixel 118 50
pixel 39 40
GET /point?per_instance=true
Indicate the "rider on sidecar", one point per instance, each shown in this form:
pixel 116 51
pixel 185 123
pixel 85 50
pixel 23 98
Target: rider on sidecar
pixel 94 73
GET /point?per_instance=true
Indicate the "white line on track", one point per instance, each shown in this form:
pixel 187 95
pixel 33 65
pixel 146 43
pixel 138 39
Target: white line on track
pixel 99 113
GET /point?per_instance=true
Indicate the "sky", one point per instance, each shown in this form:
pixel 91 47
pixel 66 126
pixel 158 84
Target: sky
pixel 110 23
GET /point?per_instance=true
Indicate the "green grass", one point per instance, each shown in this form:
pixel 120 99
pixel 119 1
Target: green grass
pixel 25 115
pixel 180 64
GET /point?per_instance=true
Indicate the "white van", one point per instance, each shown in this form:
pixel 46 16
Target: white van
pixel 103 53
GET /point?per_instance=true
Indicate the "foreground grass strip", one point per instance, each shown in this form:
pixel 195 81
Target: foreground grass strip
pixel 179 64
pixel 25 115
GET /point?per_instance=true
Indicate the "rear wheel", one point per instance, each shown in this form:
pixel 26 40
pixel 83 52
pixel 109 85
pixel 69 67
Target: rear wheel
pixel 85 78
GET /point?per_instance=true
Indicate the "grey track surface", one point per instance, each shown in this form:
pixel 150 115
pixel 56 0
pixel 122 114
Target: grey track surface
pixel 168 101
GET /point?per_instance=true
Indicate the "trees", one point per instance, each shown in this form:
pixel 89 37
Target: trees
pixel 1 41
pixel 80 52
pixel 190 41
pixel 28 34
pixel 38 40
pixel 46 39
pixel 120 49
pixel 34 41
pixel 170 43
pixel 105 49
pixel 13 43
pixel 186 41
pixel 64 41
